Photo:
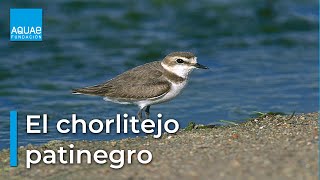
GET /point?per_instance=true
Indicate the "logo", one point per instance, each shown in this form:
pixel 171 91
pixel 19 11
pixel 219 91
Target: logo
pixel 25 24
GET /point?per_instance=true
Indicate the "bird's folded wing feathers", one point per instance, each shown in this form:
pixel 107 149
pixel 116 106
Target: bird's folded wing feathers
pixel 136 84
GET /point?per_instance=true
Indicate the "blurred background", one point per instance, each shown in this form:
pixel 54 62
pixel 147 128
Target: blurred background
pixel 263 56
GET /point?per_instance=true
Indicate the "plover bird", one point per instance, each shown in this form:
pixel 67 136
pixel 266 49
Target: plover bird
pixel 148 84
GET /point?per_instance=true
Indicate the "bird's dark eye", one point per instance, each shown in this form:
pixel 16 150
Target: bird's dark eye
pixel 180 61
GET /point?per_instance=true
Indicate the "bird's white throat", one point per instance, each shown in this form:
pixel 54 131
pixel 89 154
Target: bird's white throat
pixel 181 71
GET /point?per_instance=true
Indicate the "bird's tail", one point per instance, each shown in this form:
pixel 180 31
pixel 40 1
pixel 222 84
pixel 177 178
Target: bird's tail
pixel 92 90
pixel 76 91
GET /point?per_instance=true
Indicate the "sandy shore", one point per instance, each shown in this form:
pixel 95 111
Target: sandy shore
pixel 271 147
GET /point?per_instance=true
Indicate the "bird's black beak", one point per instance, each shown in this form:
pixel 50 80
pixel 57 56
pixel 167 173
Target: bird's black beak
pixel 197 65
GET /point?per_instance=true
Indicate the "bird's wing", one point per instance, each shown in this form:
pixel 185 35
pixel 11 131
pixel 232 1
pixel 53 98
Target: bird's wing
pixel 142 82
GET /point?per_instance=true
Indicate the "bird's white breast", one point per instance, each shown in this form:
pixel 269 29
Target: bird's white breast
pixel 174 91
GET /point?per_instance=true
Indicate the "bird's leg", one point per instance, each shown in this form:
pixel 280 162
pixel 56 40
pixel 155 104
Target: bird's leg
pixel 139 115
pixel 147 110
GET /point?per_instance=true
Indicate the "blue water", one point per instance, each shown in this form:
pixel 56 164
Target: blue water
pixel 263 57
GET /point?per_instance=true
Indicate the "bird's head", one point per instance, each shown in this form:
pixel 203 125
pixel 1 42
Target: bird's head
pixel 181 63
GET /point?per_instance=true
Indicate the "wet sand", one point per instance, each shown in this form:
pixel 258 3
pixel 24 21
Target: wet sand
pixel 270 147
